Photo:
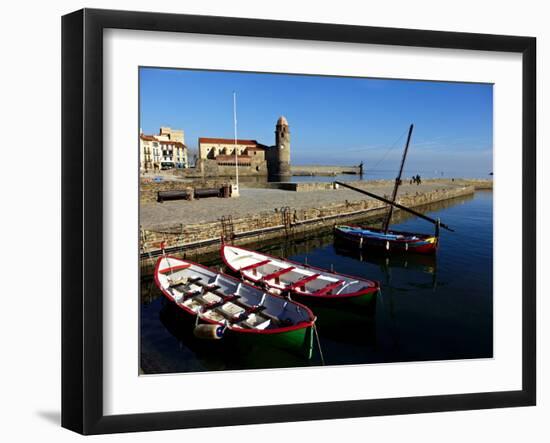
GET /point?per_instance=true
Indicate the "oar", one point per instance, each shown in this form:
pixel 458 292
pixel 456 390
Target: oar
pixel 397 205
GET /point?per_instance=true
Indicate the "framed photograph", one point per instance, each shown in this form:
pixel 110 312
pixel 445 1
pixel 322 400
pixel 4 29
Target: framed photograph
pixel 269 221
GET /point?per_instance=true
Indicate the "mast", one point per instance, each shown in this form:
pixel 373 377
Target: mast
pixel 397 182
pixel 235 127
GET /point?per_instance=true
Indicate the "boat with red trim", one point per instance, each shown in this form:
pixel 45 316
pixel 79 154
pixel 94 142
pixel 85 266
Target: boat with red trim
pixel 391 241
pixel 300 281
pixel 225 307
pixel 385 239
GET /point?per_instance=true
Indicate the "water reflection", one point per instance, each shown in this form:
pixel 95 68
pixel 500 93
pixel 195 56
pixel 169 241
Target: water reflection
pixel 424 263
pixel 430 307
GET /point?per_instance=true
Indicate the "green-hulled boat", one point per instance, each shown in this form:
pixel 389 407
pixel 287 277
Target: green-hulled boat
pixel 223 307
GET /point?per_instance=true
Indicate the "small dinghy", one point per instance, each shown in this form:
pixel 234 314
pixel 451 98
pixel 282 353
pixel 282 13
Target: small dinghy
pixel 223 306
pixel 391 241
pixel 303 282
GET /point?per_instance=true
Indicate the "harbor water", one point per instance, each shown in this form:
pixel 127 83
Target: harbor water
pixel 429 308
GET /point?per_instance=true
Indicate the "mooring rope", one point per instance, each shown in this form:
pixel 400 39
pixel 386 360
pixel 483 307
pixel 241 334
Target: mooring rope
pixel 318 343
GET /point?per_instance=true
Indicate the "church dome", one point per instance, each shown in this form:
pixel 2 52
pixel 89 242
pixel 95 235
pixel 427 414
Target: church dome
pixel 282 121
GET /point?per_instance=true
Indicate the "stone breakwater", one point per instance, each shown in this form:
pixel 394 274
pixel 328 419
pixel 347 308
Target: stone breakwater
pixel 204 236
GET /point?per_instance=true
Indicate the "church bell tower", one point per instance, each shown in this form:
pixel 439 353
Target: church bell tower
pixel 280 170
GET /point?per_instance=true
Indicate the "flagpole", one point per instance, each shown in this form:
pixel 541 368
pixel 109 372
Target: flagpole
pixel 235 126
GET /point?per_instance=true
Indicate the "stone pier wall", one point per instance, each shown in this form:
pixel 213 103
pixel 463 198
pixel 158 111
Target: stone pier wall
pixel 205 237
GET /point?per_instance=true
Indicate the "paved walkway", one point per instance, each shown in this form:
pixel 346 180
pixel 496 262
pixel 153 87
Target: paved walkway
pixel 254 200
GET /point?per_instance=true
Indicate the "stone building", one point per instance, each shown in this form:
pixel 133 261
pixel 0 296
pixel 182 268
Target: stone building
pixel 166 150
pixel 216 156
pixel 211 148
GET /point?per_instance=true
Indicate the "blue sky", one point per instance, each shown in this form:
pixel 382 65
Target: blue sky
pixel 333 120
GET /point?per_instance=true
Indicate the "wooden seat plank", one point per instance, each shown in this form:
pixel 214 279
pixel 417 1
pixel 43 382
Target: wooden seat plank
pixel 278 273
pixel 328 288
pixel 254 265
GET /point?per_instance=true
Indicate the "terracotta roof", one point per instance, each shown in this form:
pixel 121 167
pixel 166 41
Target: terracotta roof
pixel 227 141
pixel 152 138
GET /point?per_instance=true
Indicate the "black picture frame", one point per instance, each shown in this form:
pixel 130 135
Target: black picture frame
pixel 82 218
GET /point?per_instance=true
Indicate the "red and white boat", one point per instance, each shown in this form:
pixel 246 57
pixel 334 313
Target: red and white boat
pixel 303 282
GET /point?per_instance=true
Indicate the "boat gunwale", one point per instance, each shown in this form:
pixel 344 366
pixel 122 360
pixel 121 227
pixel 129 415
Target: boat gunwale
pixel 297 326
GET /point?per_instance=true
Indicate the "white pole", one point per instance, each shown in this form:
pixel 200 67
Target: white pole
pixel 235 124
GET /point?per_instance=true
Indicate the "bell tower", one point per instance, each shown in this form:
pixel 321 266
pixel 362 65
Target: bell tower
pixel 280 169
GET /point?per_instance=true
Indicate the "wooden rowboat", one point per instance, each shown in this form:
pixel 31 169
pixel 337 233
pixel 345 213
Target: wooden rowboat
pixel 302 282
pixel 390 241
pixel 225 307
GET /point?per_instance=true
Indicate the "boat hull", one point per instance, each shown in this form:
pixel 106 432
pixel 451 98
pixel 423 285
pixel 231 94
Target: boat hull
pixel 359 301
pixel 298 341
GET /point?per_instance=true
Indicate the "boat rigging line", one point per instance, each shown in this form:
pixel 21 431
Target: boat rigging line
pixel 391 148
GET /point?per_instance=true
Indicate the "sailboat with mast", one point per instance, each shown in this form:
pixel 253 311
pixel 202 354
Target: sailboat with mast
pixel 383 238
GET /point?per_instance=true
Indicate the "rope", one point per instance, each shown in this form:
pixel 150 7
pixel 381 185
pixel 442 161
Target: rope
pixel 318 343
pixel 392 147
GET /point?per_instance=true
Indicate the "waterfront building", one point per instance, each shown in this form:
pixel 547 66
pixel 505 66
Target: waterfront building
pixel 164 150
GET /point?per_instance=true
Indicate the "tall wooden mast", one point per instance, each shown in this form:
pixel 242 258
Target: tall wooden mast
pixel 397 182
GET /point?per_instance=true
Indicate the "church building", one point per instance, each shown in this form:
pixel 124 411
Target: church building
pixel 216 156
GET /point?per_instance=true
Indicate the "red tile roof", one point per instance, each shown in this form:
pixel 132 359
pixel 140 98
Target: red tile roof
pixel 152 138
pixel 227 141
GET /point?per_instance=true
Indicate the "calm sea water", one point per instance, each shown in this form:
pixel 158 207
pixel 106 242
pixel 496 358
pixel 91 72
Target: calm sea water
pixel 430 308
